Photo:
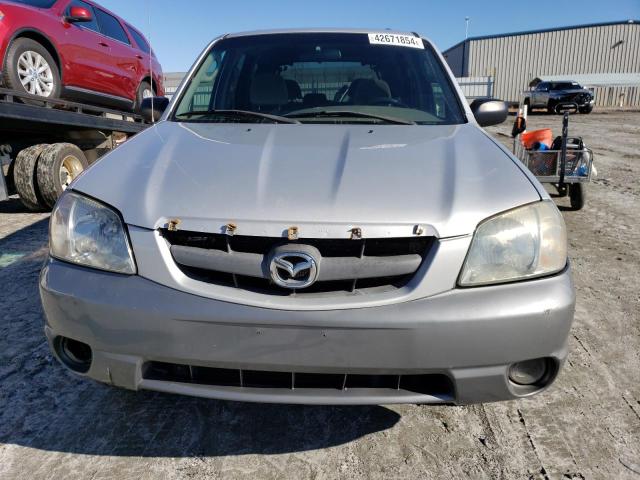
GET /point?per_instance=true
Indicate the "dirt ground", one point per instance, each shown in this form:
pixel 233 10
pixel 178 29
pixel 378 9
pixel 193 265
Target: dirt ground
pixel 587 426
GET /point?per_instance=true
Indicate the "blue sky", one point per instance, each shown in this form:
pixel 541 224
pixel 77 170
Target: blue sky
pixel 180 30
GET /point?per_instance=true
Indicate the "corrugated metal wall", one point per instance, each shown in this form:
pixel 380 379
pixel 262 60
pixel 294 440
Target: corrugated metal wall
pixel 617 96
pixel 476 87
pixel 515 60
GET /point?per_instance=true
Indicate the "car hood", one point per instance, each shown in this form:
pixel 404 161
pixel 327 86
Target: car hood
pixel 325 179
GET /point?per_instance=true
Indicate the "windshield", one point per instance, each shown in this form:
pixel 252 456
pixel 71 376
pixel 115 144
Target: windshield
pixel 321 78
pixel 565 86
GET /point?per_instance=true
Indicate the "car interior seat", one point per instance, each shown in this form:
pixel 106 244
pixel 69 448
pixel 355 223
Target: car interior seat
pixel 294 91
pixel 314 100
pixel 268 92
pixel 364 91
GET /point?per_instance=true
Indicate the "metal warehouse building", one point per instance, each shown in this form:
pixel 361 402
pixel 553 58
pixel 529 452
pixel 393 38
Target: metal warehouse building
pixel 513 60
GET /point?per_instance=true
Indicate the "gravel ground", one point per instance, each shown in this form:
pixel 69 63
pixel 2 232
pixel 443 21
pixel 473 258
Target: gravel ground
pixel 55 425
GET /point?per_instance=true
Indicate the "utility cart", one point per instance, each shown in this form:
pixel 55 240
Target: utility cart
pixel 568 164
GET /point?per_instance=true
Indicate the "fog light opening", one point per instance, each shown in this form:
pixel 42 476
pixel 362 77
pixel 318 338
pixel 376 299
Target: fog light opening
pixel 74 354
pixel 530 372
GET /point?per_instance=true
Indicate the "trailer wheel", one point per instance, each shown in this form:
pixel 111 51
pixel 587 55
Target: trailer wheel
pixel 30 68
pixel 25 178
pixel 562 190
pixel 58 166
pixel 577 195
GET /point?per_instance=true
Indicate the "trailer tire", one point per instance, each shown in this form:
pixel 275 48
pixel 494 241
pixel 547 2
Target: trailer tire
pixel 577 195
pixel 58 166
pixel 25 178
pixel 11 77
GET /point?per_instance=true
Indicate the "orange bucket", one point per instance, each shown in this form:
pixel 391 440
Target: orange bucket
pixel 543 136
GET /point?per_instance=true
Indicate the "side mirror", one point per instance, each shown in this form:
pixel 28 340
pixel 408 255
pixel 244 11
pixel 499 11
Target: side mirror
pixel 489 111
pixel 152 108
pixel 79 15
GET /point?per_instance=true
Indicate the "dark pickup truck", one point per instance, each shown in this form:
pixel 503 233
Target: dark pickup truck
pixel 549 95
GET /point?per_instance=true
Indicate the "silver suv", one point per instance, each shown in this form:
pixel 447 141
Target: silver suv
pixel 316 217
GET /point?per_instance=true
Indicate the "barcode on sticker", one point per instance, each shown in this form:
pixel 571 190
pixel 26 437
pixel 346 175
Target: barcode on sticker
pixel 394 39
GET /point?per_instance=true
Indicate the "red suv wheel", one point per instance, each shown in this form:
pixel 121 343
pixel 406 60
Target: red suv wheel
pixel 30 68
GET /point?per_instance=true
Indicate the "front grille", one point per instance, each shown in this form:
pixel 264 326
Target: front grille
pixel 426 384
pixel 192 252
pixel 578 98
pixel 581 98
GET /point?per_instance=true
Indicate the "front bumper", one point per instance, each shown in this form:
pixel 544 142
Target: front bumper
pixel 580 102
pixel 469 335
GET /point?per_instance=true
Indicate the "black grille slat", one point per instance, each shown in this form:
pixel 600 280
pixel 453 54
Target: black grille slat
pixel 427 384
pixel 327 247
pixel 257 379
pixel 362 249
pixel 261 285
pixel 372 381
pixel 326 381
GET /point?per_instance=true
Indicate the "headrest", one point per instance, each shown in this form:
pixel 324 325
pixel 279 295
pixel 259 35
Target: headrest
pixel 268 89
pixel 314 99
pixel 364 90
pixel 293 90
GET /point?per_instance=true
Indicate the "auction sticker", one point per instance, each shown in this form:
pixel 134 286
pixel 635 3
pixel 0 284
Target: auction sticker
pixel 397 40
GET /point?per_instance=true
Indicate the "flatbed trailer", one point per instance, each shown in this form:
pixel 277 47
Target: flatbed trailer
pixel 46 143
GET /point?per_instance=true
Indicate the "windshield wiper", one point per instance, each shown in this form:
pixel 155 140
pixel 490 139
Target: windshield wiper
pixel 237 114
pixel 350 113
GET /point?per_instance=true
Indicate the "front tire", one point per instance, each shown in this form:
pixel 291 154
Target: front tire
pixel 577 195
pixel 58 166
pixel 30 68
pixel 587 109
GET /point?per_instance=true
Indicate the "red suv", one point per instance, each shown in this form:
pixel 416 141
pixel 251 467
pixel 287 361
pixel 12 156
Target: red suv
pixel 78 50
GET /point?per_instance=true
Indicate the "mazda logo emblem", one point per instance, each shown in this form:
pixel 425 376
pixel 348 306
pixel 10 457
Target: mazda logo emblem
pixel 294 270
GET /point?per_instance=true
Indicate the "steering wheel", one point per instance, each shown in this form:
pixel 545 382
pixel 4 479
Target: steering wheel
pixel 387 101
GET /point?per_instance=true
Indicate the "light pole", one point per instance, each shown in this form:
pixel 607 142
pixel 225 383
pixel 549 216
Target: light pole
pixel 466 27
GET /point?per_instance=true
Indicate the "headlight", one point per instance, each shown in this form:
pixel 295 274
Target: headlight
pixel 88 233
pixel 526 242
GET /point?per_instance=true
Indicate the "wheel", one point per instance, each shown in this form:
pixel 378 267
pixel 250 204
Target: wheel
pixel 144 91
pixel 577 194
pixel 586 109
pixel 58 166
pixel 562 190
pixel 30 68
pixel 25 178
